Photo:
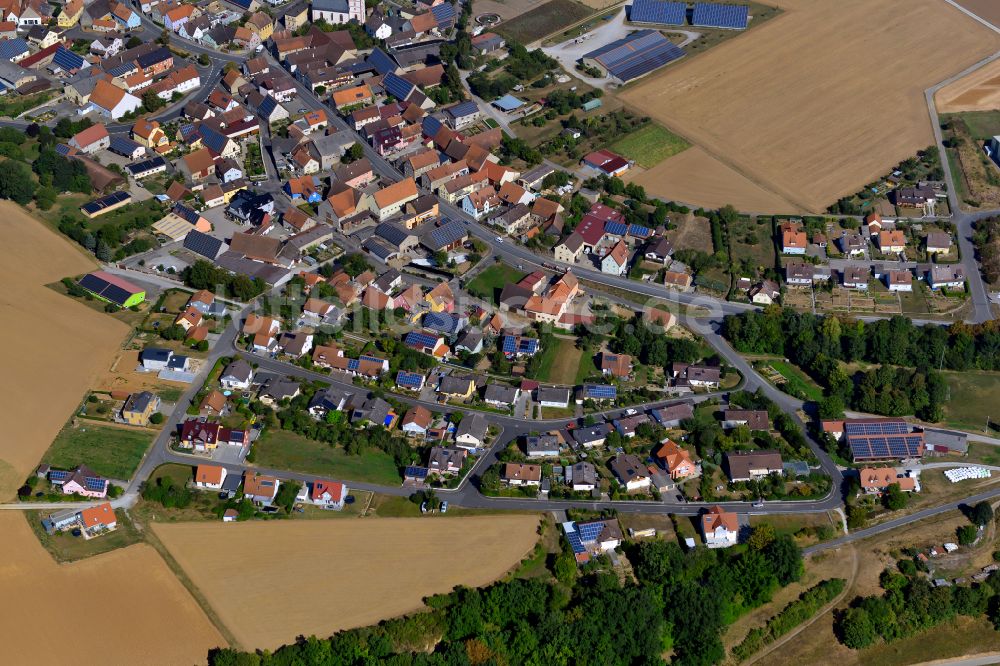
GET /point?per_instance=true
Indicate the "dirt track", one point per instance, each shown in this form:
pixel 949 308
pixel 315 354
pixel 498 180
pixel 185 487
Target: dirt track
pixel 820 100
pixel 272 581
pixel 52 346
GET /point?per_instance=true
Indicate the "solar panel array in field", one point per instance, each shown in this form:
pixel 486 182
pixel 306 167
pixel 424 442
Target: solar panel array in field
pixel 658 11
pixel 729 17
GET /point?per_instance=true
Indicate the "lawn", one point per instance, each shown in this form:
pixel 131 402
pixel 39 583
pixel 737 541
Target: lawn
pixel 112 452
pixel 559 362
pixel 544 20
pixel 490 282
pixel 972 396
pixel 586 369
pixel 65 547
pixel 983 125
pixel 798 382
pixel 650 145
pixel 282 449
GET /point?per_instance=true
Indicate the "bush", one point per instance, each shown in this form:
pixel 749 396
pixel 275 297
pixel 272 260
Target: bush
pixel 967 535
pixel 157 418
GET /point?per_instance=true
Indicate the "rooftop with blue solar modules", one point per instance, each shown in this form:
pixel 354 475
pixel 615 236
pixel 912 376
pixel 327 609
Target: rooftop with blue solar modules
pixel 413 380
pixel 397 86
pixel 727 17
pixel 635 55
pixel 658 11
pixel 600 391
pixel 420 340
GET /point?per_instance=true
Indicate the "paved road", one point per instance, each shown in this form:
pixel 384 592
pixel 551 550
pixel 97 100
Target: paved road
pixel 901 522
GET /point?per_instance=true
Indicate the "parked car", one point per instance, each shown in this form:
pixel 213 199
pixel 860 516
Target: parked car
pixel 444 507
pixel 423 507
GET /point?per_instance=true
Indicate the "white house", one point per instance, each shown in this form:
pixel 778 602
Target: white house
pixel 338 11
pixel 210 477
pixel 615 262
pixel 720 528
pixel 237 375
pixel 111 101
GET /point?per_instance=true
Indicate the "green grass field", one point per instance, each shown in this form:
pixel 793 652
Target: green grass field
pixel 109 451
pixel 587 368
pixel 983 125
pixel 559 362
pixel 973 397
pixel 650 145
pixel 797 381
pixel 491 281
pixel 282 449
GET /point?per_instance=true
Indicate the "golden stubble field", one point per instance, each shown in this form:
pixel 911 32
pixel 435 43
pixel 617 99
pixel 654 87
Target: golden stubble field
pixel 123 607
pixel 820 100
pixel 270 582
pixel 52 347
pixel 979 91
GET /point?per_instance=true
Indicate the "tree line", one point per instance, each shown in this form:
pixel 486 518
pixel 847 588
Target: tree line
pixel 906 381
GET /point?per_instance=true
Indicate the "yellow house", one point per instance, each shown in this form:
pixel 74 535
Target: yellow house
pixel 261 24
pixel 456 387
pixel 70 14
pixel 149 133
pixel 230 189
pixel 139 408
pixel 441 298
pixel 295 20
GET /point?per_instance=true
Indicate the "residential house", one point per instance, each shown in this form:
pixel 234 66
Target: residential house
pixel 336 12
pixel 210 476
pixel 237 375
pixel 389 201
pixel 590 539
pixel 754 419
pixel 591 437
pixel 139 407
pixel 97 520
pixel 752 465
pixel 260 488
pixel 938 242
pixel 891 241
pixel 471 433
pixel 793 240
pixel 445 461
pixel 899 280
pixel 501 395
pixel 552 396
pixel 581 477
pixel 81 480
pixel 720 528
pixel 672 415
pixel 416 421
pixel 675 460
pixel 327 494
pixel 111 101
pixel 951 276
pixel 521 474
pixel 542 446
pixel 630 471
pixel 876 480
pixel 616 365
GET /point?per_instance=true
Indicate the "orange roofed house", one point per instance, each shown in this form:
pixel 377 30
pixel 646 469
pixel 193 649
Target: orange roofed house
pixel 793 239
pixel 210 476
pixel 97 520
pixel 876 480
pixel 260 488
pixel 390 200
pixel 720 528
pixel 675 460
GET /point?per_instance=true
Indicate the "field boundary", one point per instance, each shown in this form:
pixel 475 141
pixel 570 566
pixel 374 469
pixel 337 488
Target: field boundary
pixel 150 537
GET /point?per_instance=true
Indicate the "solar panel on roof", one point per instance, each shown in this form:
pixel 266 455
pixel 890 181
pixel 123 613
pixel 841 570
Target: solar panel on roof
pixel 93 483
pixel 381 61
pixel 527 346
pixel 600 391
pixel 444 13
pixel 430 125
pixel 417 339
pixel 615 228
pixel 123 146
pixel 409 379
pixel 139 168
pixel 104 202
pixel 639 231
pixel 365 357
pixel 658 11
pixel 58 475
pixel 397 86
pixel 62 149
pixel 509 344
pixel 590 531
pixel 68 60
pixel 636 55
pixel 729 17
pixel 353 364
pixel 121 70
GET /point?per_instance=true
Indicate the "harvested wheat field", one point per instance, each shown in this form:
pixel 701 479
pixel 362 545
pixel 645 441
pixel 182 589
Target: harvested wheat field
pixel 986 9
pixel 264 579
pixel 979 91
pixel 59 346
pixel 128 598
pixel 697 178
pixel 818 101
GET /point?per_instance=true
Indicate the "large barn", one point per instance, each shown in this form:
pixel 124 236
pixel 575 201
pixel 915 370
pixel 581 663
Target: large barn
pixel 113 289
pixel 634 56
